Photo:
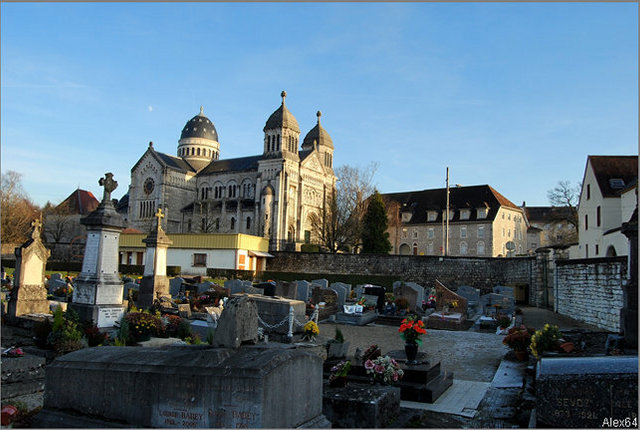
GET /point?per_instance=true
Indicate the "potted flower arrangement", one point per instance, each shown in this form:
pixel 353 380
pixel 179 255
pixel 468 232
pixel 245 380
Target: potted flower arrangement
pixel 410 330
pixel 142 325
pixel 545 340
pixel 519 339
pixel 311 330
pixel 384 370
pixel 338 377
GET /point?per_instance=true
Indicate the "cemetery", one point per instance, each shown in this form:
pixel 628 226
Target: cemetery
pixel 189 351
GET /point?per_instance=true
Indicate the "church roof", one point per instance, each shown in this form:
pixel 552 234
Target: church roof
pixel 200 126
pixel 317 134
pixel 175 162
pixel 80 202
pixel 282 118
pixel 472 197
pixel 232 165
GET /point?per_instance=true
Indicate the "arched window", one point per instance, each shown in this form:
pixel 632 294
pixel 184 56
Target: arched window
pixel 248 222
pixel 480 248
pixel 278 144
pixel 415 249
pixel 233 223
pixel 198 151
pixel 463 248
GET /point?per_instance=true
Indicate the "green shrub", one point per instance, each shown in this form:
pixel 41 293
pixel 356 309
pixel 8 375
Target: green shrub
pixel 184 329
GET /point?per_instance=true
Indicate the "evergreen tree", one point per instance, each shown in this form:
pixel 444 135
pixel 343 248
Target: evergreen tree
pixel 375 238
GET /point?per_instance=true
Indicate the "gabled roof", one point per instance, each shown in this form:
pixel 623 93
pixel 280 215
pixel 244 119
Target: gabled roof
pixel 80 202
pixel 606 167
pixel 232 165
pixel 472 197
pixel 165 160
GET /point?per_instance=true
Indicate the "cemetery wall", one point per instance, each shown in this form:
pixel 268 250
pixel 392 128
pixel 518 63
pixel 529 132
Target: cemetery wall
pixel 590 290
pixel 483 273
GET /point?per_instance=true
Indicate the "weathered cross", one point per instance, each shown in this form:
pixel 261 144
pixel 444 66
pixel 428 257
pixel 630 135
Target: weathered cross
pixel 109 185
pixel 36 224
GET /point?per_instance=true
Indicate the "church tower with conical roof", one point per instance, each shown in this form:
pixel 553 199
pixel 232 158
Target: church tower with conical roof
pixel 281 133
pixel 198 144
pixel 319 139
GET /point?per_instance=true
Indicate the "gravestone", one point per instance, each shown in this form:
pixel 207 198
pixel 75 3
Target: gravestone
pixel 376 290
pixel 203 287
pixel 238 323
pixel 234 286
pixel 286 289
pixel 56 276
pixel 54 284
pixel 341 292
pixel 413 294
pixel 322 283
pixel 400 289
pixel 303 290
pixel 493 303
pixel 359 290
pixel 127 287
pixel 370 300
pixel 584 392
pixel 249 289
pixel 347 288
pixel 154 283
pixel 97 296
pixel 473 298
pixel 330 299
pixel 507 291
pixel 175 285
pixel 184 387
pixel 29 295
pixel 184 310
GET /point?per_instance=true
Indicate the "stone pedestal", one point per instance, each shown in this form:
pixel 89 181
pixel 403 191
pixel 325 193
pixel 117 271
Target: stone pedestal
pixel 29 295
pixel 361 406
pixel 98 286
pixel 155 283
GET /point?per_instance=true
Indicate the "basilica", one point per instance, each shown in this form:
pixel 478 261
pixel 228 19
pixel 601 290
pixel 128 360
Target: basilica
pixel 272 194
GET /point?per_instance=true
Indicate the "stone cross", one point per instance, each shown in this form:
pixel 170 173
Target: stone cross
pixel 37 225
pixel 159 215
pixel 109 185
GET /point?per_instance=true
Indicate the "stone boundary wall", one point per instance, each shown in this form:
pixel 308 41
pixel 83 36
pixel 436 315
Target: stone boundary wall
pixel 590 290
pixel 483 273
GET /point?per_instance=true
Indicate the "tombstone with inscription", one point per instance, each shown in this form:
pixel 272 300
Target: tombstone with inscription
pixel 29 295
pixel 55 284
pixel 155 283
pixel 184 310
pixel 303 292
pixel 341 292
pixel 286 289
pixel 359 291
pixel 375 290
pixel 208 388
pixel 347 288
pixel 501 289
pixel 411 291
pixel 329 298
pixel 98 293
pixel 175 285
pixel 493 303
pixel 322 283
pixel 585 392
pixel 473 298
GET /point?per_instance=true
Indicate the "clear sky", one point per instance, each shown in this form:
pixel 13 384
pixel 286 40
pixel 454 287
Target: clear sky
pixel 507 94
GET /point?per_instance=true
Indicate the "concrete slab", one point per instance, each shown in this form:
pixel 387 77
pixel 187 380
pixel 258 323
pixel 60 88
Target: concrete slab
pixel 462 398
pixel 509 374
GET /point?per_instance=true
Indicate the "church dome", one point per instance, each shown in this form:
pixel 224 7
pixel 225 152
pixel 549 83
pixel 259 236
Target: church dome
pixel 282 118
pixel 201 127
pixel 317 134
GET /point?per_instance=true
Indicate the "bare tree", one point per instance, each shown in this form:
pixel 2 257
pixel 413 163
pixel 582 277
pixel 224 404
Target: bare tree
pixel 339 226
pixel 17 210
pixel 58 229
pixel 565 197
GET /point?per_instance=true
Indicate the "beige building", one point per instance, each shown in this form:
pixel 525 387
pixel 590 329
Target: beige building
pixel 482 222
pixel 549 226
pixel 271 195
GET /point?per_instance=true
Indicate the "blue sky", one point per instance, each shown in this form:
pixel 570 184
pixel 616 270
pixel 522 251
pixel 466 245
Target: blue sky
pixel 507 94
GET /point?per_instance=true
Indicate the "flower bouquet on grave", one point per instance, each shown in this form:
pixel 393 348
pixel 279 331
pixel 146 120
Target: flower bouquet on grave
pixel 547 339
pixel 311 330
pixel 384 370
pixel 371 353
pixel 411 329
pixel 338 377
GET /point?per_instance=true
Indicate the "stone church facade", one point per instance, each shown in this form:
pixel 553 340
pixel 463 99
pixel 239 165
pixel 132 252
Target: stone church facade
pixel 270 195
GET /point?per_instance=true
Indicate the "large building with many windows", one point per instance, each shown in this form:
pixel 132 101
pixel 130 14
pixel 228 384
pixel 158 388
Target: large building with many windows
pixel 482 223
pixel 271 195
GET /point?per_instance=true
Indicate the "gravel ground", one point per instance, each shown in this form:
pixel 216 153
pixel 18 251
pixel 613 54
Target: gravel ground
pixel 471 356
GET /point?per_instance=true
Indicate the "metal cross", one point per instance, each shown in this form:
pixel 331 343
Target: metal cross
pixel 109 185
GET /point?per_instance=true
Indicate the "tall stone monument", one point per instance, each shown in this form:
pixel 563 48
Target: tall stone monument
pixel 98 293
pixel 155 283
pixel 629 313
pixel 29 295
